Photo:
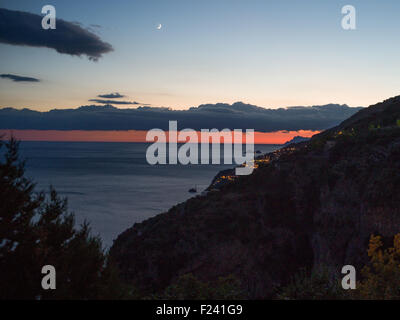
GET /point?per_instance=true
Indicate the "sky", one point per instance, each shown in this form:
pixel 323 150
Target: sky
pixel 267 53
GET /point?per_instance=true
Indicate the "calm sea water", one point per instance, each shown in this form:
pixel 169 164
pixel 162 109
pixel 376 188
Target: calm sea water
pixel 110 184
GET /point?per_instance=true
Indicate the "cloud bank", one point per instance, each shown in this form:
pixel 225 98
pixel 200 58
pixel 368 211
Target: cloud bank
pixel 219 116
pixel 25 29
pixel 16 78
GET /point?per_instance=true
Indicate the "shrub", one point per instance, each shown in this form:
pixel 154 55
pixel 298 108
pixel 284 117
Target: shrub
pixel 317 285
pixel 188 287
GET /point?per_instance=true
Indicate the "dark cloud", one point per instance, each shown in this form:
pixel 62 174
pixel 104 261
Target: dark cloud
pixel 219 116
pixel 115 95
pixel 25 29
pixel 16 78
pixel 116 102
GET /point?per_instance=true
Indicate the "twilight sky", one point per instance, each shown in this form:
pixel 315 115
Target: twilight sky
pixel 268 53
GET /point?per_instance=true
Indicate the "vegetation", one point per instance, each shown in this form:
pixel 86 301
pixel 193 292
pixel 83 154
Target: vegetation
pixel 317 285
pixel 381 276
pixel 38 230
pixel 188 287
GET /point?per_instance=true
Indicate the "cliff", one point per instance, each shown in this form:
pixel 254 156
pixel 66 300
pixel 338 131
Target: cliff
pixel 296 139
pixel 309 204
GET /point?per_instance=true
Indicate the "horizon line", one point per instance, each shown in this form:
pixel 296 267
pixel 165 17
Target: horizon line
pixel 135 136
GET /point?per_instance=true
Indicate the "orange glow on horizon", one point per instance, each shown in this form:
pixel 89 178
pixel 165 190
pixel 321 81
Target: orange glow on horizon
pixel 277 137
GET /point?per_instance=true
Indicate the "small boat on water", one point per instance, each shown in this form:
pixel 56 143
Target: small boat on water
pixel 193 190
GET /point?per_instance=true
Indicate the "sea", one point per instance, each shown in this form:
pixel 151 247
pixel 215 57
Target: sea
pixel 111 185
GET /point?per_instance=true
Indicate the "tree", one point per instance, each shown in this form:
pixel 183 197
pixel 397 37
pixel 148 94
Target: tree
pixel 38 230
pixel 381 276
